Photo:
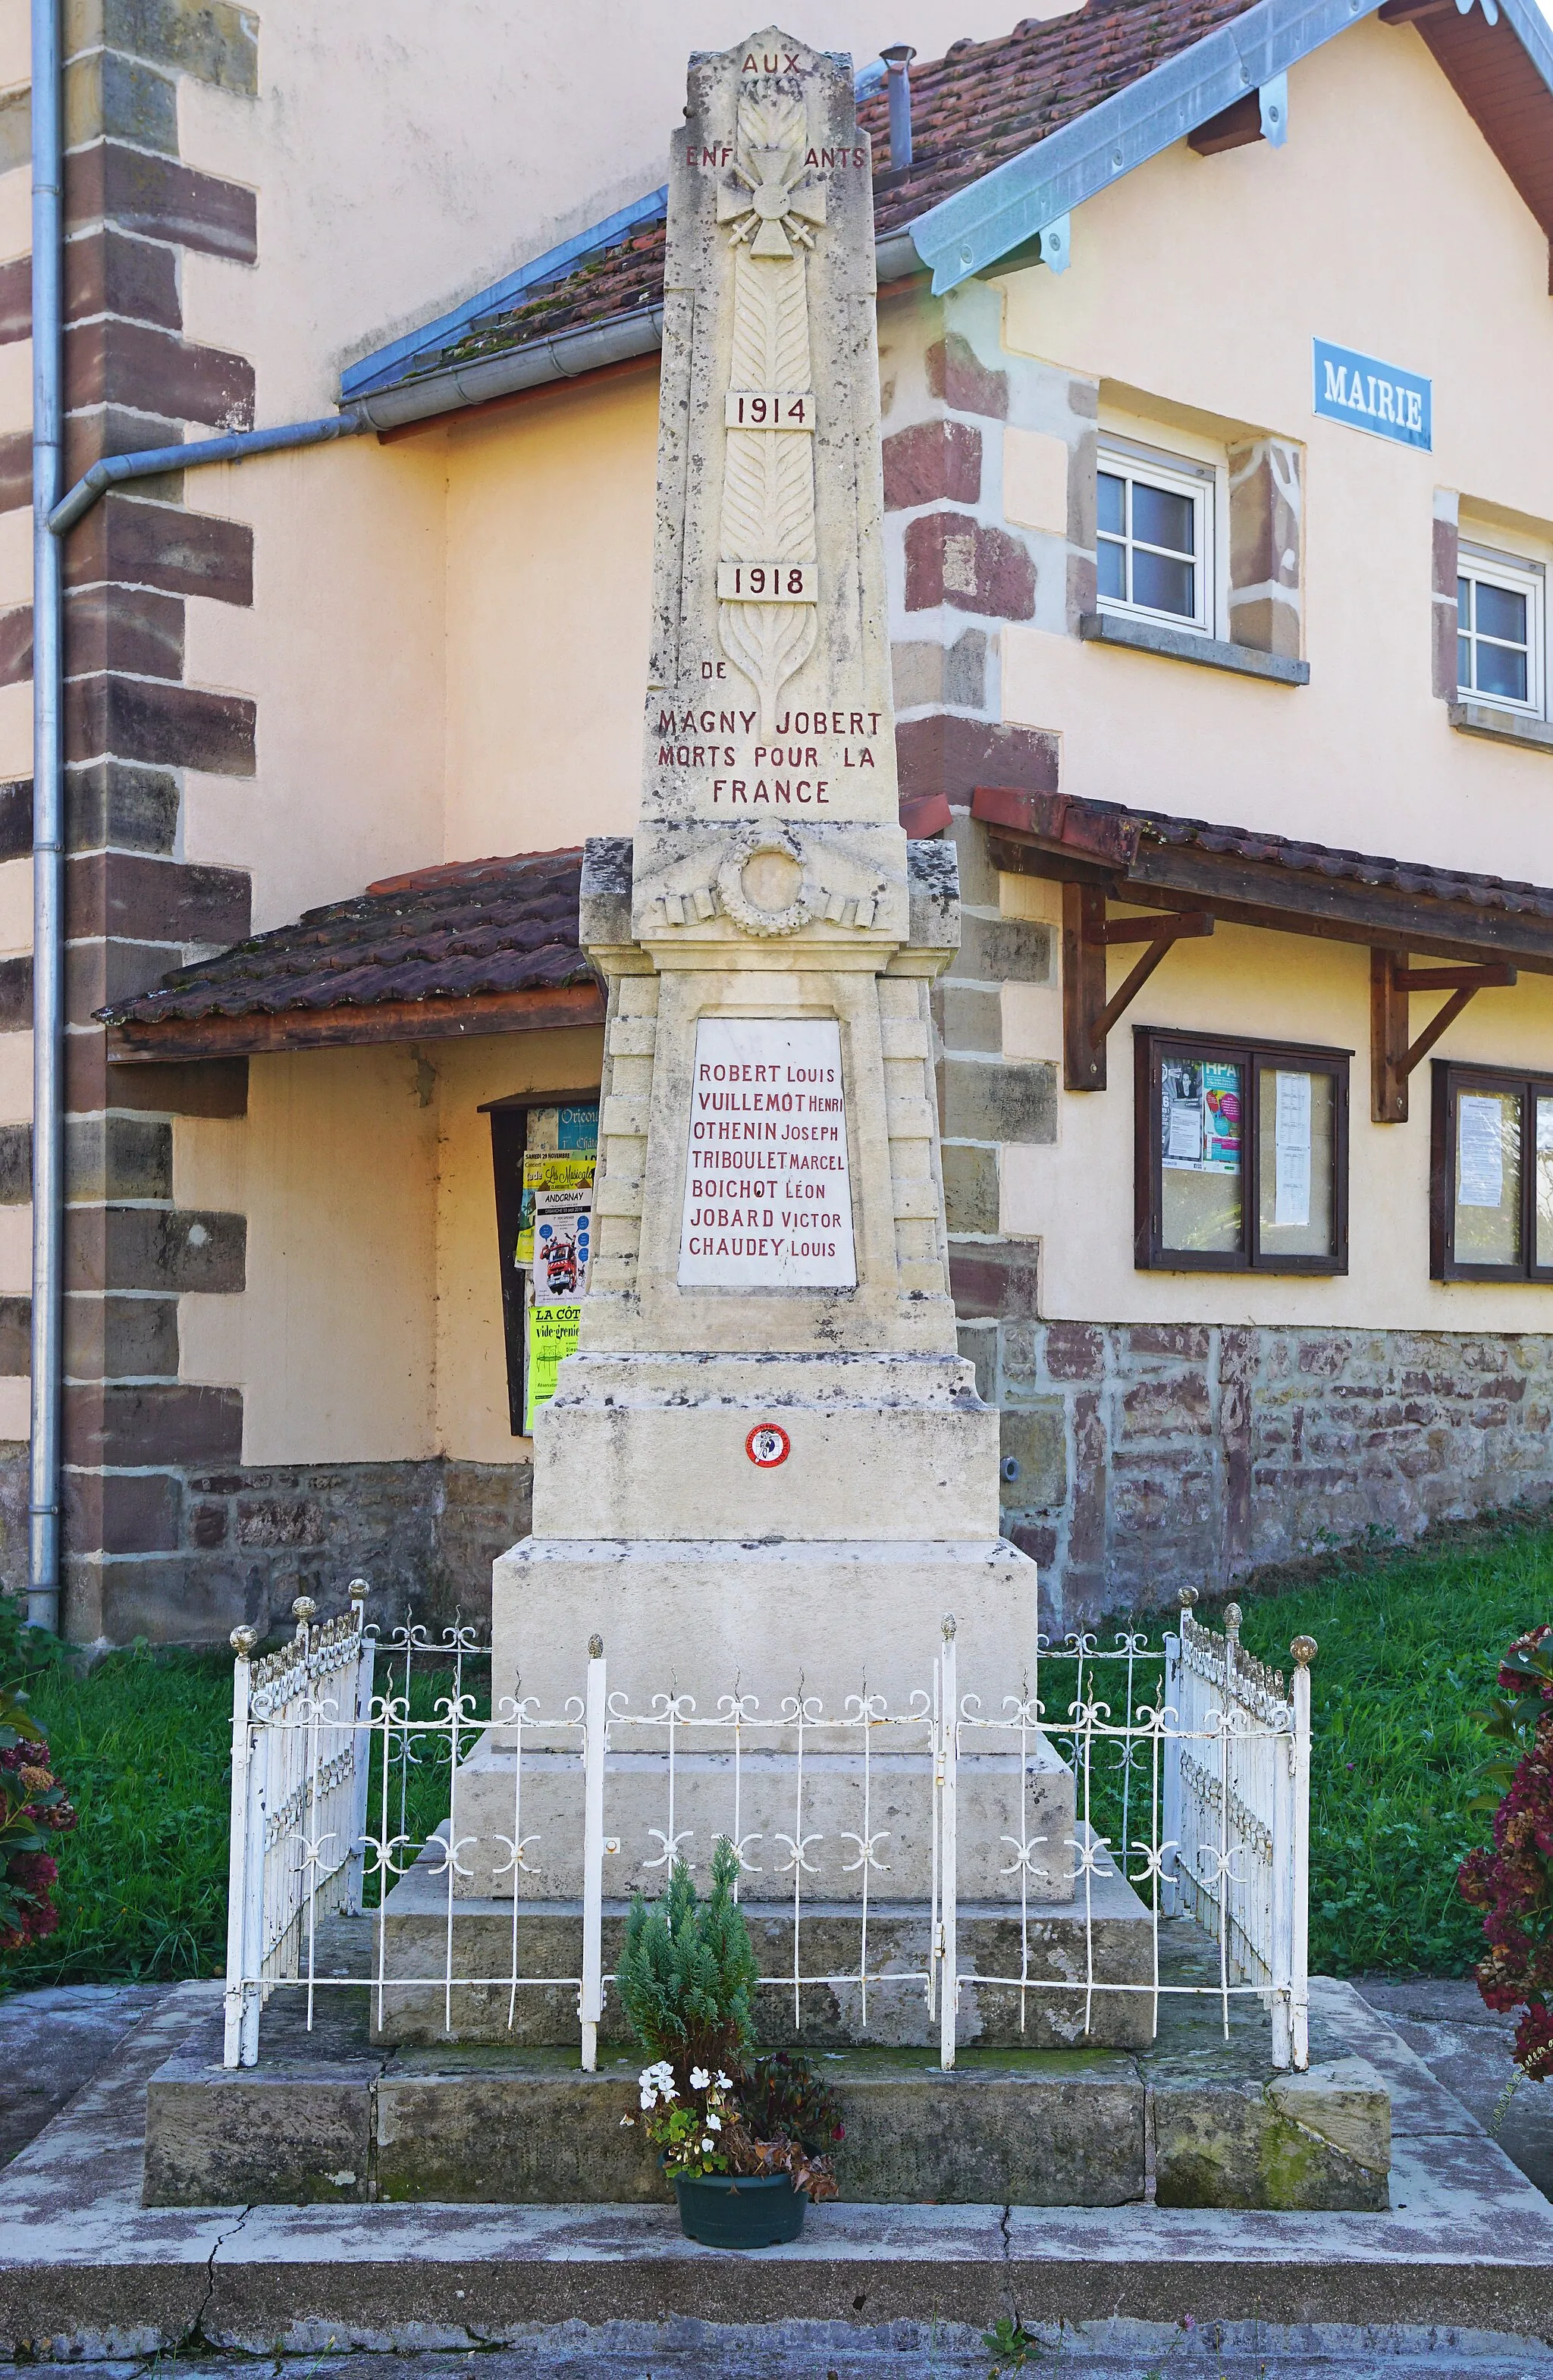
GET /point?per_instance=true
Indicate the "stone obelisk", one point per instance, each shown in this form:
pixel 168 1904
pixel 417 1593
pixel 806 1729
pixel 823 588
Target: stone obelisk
pixel 767 1459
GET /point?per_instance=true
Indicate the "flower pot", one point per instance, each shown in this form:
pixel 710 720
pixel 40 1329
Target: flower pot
pixel 739 2210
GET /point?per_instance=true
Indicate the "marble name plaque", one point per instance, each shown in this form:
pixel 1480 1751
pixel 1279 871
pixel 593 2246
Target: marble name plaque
pixel 768 1200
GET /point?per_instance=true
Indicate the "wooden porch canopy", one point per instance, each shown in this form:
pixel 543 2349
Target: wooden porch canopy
pixel 477 947
pixel 1199 874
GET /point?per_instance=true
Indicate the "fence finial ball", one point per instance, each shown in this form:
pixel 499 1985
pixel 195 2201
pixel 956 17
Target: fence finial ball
pixel 304 1608
pixel 1186 1597
pixel 595 1648
pixel 1232 1617
pixel 948 1624
pixel 358 1590
pixel 1304 1650
pixel 242 1641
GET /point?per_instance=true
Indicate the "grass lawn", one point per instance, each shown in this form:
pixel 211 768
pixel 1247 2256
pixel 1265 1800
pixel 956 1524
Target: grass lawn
pixel 1408 1643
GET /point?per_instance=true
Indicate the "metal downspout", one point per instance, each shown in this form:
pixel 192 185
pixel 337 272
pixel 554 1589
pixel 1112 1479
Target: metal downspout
pixel 48 806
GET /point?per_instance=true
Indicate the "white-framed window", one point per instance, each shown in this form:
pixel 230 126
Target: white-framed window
pixel 1499 630
pixel 1154 537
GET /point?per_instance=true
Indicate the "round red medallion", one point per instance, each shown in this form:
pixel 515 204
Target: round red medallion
pixel 767 1446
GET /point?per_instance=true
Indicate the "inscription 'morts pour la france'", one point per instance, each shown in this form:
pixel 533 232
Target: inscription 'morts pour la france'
pixel 769 594
pixel 767 1194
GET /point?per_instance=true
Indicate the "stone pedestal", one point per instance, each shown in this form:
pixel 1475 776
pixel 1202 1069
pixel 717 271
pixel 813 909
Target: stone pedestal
pixel 766 1473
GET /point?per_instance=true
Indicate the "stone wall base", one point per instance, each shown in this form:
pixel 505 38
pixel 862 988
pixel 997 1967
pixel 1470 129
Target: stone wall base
pixel 425 1533
pixel 1155 1456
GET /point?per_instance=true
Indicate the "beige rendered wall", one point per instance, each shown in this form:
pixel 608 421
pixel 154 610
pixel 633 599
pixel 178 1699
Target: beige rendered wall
pixel 1202 283
pixel 549 519
pixel 1384 224
pixel 334 1337
pixel 450 632
pixel 371 1327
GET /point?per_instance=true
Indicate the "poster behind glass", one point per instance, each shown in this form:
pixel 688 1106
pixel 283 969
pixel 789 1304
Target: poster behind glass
pixel 1201 1121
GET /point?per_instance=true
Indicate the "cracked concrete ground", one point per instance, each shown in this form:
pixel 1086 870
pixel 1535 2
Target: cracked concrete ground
pixel 1467 2048
pixel 1456 2280
pixel 53 2041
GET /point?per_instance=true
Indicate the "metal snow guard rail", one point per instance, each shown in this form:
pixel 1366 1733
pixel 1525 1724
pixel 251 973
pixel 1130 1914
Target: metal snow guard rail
pixel 1207 1788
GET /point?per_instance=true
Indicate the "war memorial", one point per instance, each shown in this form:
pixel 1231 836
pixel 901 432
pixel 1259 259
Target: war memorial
pixel 766 1597
pixel 1047 1936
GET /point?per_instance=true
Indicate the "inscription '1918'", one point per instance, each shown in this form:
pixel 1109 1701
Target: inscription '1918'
pixel 767 582
pixel 768 1200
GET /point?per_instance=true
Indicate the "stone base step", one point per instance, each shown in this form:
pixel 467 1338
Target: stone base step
pixel 1002 1797
pixel 1066 2000
pixel 322 2119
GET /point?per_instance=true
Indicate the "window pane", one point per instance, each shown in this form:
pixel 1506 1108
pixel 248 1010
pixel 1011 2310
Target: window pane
pixel 1112 505
pixel 1502 671
pixel 1500 612
pixel 1113 570
pixel 1464 662
pixel 1296 1110
pixel 1488 1177
pixel 1544 1180
pixel 1161 518
pixel 1464 603
pixel 1200 1103
pixel 1164 585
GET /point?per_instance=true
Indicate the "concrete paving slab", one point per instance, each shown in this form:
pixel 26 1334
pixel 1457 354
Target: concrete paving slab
pixel 54 2039
pixel 86 2272
pixel 1467 2051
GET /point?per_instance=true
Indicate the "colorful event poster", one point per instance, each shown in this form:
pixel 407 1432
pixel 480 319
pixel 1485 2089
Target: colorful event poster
pixel 563 1233
pixel 1220 1118
pixel 1201 1116
pixel 545 1170
pixel 551 1336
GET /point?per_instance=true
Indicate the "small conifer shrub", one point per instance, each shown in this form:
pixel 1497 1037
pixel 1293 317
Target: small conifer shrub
pixel 687 1973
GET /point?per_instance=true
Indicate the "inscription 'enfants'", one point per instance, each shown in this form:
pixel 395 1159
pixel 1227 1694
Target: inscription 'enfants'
pixel 713 155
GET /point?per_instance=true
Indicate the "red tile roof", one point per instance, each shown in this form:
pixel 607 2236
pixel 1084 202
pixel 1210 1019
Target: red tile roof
pixel 439 933
pixel 1111 836
pixel 976 107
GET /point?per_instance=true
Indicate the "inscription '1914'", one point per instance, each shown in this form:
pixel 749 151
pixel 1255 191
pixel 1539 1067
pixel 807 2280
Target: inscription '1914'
pixel 757 409
pixel 767 1199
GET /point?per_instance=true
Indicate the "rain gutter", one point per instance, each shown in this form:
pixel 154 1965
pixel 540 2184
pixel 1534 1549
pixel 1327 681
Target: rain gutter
pixel 48 841
pixel 542 362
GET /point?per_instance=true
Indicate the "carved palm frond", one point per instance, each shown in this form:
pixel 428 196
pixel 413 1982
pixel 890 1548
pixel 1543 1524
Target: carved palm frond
pixel 769 642
pixel 775 122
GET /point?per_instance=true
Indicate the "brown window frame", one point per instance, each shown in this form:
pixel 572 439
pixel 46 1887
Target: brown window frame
pixel 1450 1077
pixel 1151 1043
pixel 509 1139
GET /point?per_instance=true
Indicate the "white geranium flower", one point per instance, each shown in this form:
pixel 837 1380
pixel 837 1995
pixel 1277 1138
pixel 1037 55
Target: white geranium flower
pixel 650 2101
pixel 708 2143
pixel 699 2079
pixel 724 2082
pixel 714 2123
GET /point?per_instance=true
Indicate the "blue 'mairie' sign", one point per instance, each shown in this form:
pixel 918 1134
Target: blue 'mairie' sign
pixel 1371 395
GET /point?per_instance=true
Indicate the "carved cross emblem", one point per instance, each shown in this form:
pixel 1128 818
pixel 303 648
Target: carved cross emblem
pixel 769 212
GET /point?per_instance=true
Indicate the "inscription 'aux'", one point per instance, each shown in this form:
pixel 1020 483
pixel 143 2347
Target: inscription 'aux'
pixel 767 587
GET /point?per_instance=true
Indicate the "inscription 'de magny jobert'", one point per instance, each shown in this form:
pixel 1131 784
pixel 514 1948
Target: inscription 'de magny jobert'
pixel 767 1199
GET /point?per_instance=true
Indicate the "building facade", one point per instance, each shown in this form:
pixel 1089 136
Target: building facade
pixel 1218 494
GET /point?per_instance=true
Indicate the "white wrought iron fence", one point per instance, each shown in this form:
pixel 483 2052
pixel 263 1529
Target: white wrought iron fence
pixel 1189 1795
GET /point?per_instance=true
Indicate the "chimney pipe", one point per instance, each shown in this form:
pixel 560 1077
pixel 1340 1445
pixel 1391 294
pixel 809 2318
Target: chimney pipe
pixel 898 58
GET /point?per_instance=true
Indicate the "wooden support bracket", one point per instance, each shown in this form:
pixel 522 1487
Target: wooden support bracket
pixel 1087 934
pixel 1392 1055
